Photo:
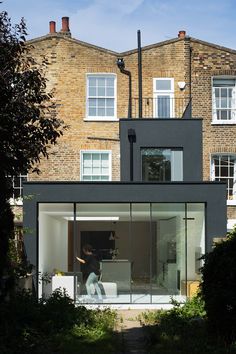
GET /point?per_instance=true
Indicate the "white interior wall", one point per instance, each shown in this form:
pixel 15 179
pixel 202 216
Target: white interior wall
pixel 53 243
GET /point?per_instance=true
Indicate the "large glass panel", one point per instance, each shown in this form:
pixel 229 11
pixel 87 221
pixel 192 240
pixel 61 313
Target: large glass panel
pixel 106 227
pixel 140 253
pixel 195 245
pixel 56 248
pixel 162 164
pixel 168 251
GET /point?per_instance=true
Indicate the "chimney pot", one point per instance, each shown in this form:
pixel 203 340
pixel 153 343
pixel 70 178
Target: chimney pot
pixel 65 24
pixel 52 27
pixel 182 34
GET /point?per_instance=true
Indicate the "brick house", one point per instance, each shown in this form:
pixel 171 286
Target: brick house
pixel 191 81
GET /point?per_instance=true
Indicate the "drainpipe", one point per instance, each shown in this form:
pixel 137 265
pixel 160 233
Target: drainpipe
pixel 121 65
pixel 132 140
pixel 140 94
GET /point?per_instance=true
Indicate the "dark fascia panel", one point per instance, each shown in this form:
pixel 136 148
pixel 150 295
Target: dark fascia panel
pixel 212 194
pixel 163 133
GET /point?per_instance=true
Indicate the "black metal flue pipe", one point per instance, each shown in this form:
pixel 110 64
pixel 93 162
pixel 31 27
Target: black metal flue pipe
pixel 140 93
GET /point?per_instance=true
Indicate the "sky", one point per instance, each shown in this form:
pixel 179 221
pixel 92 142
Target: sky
pixel 113 24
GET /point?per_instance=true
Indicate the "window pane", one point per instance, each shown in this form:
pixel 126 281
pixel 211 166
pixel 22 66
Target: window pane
pixel 92 102
pixel 163 107
pixel 223 82
pixel 87 170
pixel 101 91
pixel 105 178
pixel 16 182
pixel 223 103
pixel 101 102
pixel 163 85
pixel 110 81
pixel 217 92
pixel 105 170
pixel 224 114
pixel 96 178
pixel 92 81
pixel 224 171
pixel 87 159
pixel 105 160
pixel 96 160
pixel 92 112
pixel 101 82
pixel 86 178
pixel 101 112
pixel 110 102
pixel 110 91
pixel 110 112
pixel 92 91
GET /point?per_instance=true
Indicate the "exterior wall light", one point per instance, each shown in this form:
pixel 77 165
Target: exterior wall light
pixel 181 85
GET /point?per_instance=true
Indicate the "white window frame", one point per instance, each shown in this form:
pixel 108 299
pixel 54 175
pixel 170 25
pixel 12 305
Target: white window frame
pixel 162 93
pixel 214 109
pixel 13 199
pixel 231 199
pixel 101 118
pixel 82 152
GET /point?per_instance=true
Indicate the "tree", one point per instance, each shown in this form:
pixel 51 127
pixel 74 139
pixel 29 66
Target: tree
pixel 218 288
pixel 28 122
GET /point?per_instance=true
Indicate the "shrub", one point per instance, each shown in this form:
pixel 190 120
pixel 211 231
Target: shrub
pixel 53 325
pixel 218 288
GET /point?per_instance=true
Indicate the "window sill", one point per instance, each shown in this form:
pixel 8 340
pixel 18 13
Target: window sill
pixel 231 202
pixel 223 122
pixel 101 119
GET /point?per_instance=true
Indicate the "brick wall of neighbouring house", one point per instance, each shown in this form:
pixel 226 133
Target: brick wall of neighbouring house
pixel 209 61
pixel 69 62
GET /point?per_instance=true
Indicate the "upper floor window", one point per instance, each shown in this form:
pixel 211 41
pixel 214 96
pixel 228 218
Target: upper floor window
pixel 162 164
pixel 224 105
pixel 101 96
pixel 95 165
pixel 223 168
pixel 17 184
pixel 163 98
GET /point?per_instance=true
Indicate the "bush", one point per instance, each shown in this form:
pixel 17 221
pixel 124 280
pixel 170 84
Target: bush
pixel 218 288
pixel 182 330
pixel 53 325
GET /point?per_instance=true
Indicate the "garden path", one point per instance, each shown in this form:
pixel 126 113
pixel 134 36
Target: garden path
pixel 133 335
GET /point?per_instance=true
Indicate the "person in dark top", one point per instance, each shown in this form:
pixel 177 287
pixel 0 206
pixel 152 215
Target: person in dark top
pixel 92 268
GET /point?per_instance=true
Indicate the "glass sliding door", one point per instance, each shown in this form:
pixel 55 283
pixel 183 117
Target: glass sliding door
pixel 55 246
pixel 168 251
pixel 195 245
pixel 140 253
pixel 106 227
pixel 145 252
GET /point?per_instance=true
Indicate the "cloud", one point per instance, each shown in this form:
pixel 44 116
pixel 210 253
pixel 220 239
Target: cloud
pixel 113 24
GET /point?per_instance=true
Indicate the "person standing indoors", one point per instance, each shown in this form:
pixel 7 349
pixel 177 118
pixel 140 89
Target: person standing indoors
pixel 92 269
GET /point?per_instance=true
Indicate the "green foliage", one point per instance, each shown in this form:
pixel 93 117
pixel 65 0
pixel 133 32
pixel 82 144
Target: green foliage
pixel 182 330
pixel 54 325
pixel 218 288
pixel 28 122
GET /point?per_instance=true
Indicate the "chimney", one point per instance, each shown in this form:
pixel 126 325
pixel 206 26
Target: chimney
pixel 52 27
pixel 65 24
pixel 182 34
